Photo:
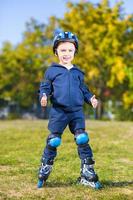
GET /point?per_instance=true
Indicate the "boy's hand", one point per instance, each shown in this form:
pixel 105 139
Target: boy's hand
pixel 44 100
pixel 94 101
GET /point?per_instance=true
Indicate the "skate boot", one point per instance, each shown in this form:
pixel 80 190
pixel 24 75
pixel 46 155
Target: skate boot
pixel 88 175
pixel 44 172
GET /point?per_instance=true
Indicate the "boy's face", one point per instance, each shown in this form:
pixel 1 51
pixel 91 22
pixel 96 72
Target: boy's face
pixel 65 52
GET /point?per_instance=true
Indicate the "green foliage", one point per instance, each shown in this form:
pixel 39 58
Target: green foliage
pixel 123 114
pixel 22 67
pixel 105 54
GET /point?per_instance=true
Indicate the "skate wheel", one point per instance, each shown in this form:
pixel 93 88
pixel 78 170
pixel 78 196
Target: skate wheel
pixel 98 185
pixel 78 180
pixel 40 183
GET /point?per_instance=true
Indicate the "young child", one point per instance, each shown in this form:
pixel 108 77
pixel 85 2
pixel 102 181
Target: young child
pixel 64 83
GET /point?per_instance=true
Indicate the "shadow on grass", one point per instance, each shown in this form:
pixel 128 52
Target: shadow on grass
pixel 105 184
pixel 67 183
pixel 116 184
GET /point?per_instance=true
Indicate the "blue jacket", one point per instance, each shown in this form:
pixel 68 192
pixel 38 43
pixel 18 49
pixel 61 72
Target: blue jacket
pixel 65 87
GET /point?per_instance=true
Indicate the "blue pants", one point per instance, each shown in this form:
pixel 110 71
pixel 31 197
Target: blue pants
pixel 58 120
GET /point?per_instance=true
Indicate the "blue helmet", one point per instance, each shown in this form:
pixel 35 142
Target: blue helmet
pixel 65 37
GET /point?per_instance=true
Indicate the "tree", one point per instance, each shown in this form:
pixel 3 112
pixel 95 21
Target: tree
pixel 105 54
pixel 22 67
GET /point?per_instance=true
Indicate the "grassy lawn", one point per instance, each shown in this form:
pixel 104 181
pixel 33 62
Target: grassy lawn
pixel 21 146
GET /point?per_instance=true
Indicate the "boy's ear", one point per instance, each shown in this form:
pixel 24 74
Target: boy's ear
pixel 56 53
pixel 75 52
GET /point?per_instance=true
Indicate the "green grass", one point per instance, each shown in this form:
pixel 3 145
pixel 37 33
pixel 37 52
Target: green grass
pixel 21 146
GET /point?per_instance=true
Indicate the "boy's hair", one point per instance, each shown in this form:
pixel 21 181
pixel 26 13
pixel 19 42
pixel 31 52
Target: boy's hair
pixel 65 37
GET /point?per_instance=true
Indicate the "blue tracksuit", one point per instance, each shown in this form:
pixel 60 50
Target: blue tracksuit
pixel 67 93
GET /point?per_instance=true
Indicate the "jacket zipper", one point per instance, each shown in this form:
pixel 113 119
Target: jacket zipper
pixel 69 88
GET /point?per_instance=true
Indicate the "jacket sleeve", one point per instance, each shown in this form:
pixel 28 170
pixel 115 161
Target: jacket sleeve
pixel 45 85
pixel 86 92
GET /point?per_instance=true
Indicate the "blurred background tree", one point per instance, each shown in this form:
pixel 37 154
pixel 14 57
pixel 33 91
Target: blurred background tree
pixel 106 49
pixel 105 55
pixel 22 67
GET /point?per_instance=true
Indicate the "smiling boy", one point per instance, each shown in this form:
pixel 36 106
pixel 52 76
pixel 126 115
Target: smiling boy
pixel 64 83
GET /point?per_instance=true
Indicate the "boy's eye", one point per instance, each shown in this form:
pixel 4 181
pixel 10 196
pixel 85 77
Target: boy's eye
pixel 70 50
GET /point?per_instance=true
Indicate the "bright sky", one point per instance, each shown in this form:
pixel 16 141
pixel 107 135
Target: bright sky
pixel 15 13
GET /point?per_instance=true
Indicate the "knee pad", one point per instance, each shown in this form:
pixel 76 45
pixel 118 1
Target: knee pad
pixel 81 138
pixel 54 141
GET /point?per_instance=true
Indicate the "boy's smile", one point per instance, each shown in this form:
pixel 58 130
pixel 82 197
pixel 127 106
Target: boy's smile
pixel 65 52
